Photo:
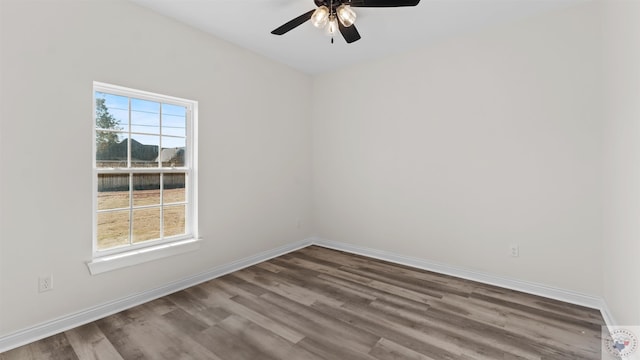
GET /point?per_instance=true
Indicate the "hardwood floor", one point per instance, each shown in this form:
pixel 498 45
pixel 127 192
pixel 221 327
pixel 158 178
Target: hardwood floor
pixel 317 303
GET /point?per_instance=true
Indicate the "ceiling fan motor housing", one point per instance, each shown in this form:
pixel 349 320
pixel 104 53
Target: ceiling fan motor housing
pixel 328 3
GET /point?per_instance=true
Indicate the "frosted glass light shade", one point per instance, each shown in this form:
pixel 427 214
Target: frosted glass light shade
pixel 346 15
pixel 332 26
pixel 320 17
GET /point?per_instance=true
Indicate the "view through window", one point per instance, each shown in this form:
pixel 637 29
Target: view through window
pixel 143 168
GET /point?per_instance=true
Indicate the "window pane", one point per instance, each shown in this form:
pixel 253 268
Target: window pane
pixel 113 101
pixel 122 117
pixel 174 217
pixel 174 185
pixel 112 111
pixel 113 191
pixel 141 139
pixel 175 110
pixel 174 120
pixel 145 106
pixel 146 224
pixel 145 116
pixel 113 229
pixel 111 149
pixel 146 189
pixel 173 151
pixel 144 150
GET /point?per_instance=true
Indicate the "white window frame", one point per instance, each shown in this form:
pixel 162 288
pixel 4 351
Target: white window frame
pixel 127 255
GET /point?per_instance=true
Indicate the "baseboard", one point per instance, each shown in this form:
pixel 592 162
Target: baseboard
pixel 612 326
pixel 607 316
pixel 64 323
pixel 513 284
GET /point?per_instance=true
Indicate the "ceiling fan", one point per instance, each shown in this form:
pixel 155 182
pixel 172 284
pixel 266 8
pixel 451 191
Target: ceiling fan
pixel 337 15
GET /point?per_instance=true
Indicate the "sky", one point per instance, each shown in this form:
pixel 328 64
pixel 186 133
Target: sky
pixel 145 120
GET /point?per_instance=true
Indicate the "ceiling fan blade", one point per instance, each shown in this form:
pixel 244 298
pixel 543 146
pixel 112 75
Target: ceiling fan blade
pixel 293 23
pixel 350 34
pixel 383 3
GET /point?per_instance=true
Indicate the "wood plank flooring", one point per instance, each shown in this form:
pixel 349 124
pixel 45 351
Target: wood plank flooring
pixel 317 303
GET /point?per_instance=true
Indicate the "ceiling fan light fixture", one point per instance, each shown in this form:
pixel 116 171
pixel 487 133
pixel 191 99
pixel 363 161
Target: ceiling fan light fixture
pixel 346 15
pixel 320 17
pixel 332 26
pixel 336 16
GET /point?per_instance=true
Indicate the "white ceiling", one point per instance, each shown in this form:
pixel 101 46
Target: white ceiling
pixel 384 31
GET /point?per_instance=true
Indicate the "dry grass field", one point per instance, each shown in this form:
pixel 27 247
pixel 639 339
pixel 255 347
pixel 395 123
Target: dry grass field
pixel 113 227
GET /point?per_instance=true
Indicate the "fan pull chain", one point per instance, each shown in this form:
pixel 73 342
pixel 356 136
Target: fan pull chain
pixel 331 12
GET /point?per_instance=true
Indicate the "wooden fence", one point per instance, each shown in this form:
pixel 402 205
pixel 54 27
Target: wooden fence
pixel 120 182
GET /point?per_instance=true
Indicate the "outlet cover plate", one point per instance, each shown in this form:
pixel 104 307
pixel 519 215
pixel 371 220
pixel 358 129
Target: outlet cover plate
pixel 45 283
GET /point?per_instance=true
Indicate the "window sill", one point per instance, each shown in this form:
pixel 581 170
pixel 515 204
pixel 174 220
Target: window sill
pixel 130 258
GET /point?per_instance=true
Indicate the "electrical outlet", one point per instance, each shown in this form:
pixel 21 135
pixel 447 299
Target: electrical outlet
pixel 515 250
pixel 45 283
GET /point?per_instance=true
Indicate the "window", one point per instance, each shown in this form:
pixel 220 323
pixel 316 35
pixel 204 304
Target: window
pixel 144 170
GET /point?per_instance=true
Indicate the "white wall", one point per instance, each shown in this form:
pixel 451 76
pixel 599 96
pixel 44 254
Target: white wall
pixel 254 151
pixel 453 152
pixel 622 160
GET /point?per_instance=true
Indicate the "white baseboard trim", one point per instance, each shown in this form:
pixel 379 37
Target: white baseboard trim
pixel 607 316
pixel 612 326
pixel 80 318
pixel 64 323
pixel 513 284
